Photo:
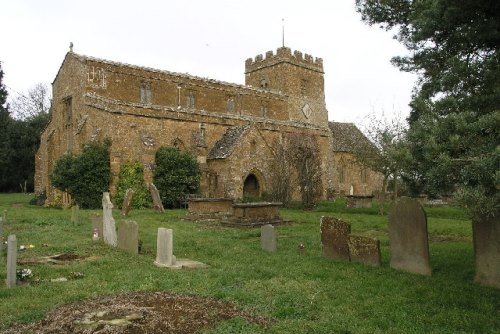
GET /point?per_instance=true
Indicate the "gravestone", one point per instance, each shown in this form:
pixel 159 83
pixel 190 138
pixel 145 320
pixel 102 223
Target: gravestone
pixel 486 236
pixel 128 236
pixel 334 237
pixel 11 261
pixel 74 214
pixel 97 227
pixel 364 250
pixel 109 229
pixel 408 237
pixel 165 248
pixel 268 238
pixel 127 201
pixel 155 194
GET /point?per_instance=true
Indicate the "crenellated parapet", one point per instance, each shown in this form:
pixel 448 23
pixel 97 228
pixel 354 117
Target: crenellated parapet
pixel 284 55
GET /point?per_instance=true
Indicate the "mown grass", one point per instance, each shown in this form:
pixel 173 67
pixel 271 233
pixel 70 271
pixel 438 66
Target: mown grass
pixel 302 293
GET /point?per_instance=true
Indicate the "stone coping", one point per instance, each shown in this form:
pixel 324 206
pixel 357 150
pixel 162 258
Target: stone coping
pixel 256 204
pixel 210 200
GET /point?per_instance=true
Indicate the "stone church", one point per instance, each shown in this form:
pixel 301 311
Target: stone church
pixel 232 129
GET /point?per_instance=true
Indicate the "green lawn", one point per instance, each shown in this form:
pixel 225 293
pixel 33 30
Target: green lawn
pixel 302 293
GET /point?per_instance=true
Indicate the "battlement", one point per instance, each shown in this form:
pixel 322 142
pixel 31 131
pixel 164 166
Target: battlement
pixel 284 55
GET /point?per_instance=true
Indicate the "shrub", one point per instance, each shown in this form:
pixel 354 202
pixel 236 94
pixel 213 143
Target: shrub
pixel 176 175
pixel 85 176
pixel 132 177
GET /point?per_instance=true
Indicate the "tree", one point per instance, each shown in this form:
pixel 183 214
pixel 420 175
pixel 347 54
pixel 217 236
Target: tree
pixel 5 125
pixel 176 175
pixel 132 177
pixel 86 176
pixel 455 119
pixel 304 154
pixel 281 174
pixel 385 151
pixel 20 137
pixel 35 102
pixel 454 122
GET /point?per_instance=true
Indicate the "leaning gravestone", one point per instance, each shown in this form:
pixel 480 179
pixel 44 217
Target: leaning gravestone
pixel 268 238
pixel 334 236
pixel 128 236
pixel 486 236
pixel 109 229
pixel 155 194
pixel 364 250
pixel 11 261
pixel 127 201
pixel 408 238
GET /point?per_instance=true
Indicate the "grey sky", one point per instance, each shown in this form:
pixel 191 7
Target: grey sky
pixel 210 38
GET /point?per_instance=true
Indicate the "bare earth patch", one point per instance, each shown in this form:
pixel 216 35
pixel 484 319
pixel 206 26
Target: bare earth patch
pixel 152 312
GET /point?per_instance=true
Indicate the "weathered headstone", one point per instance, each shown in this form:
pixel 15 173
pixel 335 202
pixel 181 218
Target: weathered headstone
pixel 364 250
pixel 74 214
pixel 408 237
pixel 127 201
pixel 155 194
pixel 334 236
pixel 165 248
pixel 268 238
pixel 109 229
pixel 486 236
pixel 128 236
pixel 97 227
pixel 11 261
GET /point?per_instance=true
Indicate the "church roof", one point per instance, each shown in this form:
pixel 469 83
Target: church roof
pixel 226 144
pixel 346 137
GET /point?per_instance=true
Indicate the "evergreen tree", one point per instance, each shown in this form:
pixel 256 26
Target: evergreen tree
pixel 176 175
pixel 5 126
pixel 455 119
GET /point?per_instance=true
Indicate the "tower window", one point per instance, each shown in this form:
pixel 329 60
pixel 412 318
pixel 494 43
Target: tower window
pixel 263 109
pixel 303 87
pixel 264 84
pixel 191 100
pixel 230 105
pixel 145 92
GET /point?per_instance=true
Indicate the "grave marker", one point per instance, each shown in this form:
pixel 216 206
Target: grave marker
pixel 11 261
pixel 165 248
pixel 128 236
pixel 74 214
pixel 334 236
pixel 155 194
pixel 486 236
pixel 268 238
pixel 364 250
pixel 97 227
pixel 109 229
pixel 408 238
pixel 127 201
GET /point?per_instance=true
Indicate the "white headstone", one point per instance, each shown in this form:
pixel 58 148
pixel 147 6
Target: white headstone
pixel 165 248
pixel 351 190
pixel 109 229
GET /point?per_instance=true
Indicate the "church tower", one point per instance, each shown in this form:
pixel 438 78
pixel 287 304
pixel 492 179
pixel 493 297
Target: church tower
pixel 298 76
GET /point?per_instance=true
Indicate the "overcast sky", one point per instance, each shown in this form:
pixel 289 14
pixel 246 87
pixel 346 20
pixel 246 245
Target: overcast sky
pixel 209 38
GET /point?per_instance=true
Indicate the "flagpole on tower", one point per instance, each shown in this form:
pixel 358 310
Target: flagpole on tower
pixel 283 32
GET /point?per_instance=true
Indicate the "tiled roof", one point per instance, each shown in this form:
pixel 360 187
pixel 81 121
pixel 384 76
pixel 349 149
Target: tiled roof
pixel 225 145
pixel 346 137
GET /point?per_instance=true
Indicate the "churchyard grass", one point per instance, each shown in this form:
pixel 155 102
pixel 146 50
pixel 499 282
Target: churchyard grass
pixel 300 292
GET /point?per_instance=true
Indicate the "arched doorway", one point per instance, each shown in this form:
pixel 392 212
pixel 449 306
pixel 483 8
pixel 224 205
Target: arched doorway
pixel 251 187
